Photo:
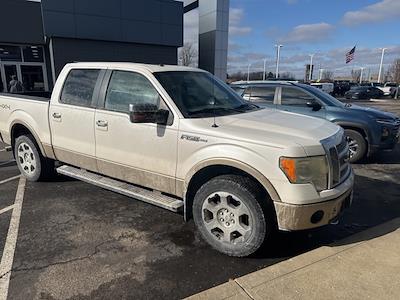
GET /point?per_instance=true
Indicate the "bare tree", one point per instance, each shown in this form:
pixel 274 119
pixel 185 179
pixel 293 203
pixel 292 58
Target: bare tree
pixel 327 75
pixel 287 76
pixel 355 75
pixel 395 71
pixel 187 54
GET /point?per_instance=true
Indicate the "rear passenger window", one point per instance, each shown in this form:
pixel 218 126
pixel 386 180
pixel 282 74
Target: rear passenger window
pixel 129 88
pixel 295 97
pixel 262 94
pixel 79 87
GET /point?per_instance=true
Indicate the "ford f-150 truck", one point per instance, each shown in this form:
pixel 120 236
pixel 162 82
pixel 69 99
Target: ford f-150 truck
pixel 181 139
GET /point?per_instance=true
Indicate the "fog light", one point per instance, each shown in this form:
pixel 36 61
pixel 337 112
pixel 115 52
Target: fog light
pixel 385 132
pixel 317 217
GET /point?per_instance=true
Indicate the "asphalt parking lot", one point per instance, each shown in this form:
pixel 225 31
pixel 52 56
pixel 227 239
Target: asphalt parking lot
pixel 77 241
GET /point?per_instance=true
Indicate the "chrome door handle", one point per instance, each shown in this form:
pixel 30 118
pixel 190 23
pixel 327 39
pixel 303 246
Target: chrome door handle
pixel 56 116
pixel 101 123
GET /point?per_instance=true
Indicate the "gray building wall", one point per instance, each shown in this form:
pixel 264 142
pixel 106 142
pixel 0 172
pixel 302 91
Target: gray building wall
pixel 213 36
pixel 156 22
pixel 21 22
pixel 70 50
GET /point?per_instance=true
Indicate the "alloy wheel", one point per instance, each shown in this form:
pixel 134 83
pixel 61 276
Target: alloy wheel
pixel 26 158
pixel 227 218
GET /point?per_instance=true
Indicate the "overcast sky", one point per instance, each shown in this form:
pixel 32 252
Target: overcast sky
pixel 327 28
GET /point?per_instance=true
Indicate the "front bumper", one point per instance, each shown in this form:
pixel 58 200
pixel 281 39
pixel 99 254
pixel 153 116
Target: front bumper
pixel 389 142
pixel 293 217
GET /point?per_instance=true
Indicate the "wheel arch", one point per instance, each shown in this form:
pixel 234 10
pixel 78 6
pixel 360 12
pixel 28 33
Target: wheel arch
pixel 19 128
pixel 356 127
pixel 209 169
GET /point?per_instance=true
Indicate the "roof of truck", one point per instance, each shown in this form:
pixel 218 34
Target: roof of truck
pixel 133 66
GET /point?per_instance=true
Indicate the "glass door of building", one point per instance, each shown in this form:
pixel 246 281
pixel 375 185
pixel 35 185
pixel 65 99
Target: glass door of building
pixel 22 70
pixel 10 74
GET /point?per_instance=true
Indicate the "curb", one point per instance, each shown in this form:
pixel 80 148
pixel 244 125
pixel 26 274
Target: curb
pixel 262 284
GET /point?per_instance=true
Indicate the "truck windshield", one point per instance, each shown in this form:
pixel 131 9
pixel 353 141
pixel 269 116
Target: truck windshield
pixel 200 95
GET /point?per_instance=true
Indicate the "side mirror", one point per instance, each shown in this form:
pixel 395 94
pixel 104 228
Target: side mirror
pixel 314 105
pixel 148 113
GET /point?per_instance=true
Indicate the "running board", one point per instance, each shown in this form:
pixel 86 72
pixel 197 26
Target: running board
pixel 130 190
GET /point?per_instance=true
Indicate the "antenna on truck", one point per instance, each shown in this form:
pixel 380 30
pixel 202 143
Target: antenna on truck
pixel 214 114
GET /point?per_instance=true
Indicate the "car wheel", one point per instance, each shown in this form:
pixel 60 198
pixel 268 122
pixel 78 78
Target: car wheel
pixel 357 145
pixel 31 163
pixel 229 216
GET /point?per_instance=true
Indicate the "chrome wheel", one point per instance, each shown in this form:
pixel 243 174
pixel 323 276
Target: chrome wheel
pixel 353 147
pixel 26 159
pixel 227 218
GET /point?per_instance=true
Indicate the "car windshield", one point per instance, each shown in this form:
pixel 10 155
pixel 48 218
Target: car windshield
pixel 325 97
pixel 358 88
pixel 201 95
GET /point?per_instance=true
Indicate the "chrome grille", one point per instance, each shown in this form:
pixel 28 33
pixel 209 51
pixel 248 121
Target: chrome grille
pixel 337 152
pixel 339 160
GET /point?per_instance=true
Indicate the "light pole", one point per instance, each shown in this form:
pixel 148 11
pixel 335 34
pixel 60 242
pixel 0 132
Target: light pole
pixel 361 74
pixel 380 67
pixel 311 67
pixel 321 71
pixel 248 72
pixel 278 55
pixel 265 63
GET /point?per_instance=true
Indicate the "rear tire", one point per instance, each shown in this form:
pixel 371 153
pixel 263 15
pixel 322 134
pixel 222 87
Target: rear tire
pixel 228 214
pixel 357 145
pixel 31 163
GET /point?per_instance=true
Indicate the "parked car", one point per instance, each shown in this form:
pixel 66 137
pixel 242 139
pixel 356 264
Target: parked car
pixel 385 88
pixel 364 92
pixel 181 139
pixel 368 130
pixel 340 88
pixel 326 87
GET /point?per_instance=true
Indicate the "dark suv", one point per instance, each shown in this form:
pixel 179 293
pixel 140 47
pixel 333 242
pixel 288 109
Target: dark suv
pixel 368 130
pixel 364 92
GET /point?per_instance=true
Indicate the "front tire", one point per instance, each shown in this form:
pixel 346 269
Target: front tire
pixel 229 216
pixel 31 163
pixel 357 145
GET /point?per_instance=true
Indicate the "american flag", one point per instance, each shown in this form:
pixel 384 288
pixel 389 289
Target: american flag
pixel 350 55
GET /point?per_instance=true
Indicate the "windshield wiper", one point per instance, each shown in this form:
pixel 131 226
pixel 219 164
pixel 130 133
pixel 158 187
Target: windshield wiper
pixel 208 110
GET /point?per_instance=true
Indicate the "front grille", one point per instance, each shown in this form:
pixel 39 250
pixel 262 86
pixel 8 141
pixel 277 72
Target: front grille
pixel 339 163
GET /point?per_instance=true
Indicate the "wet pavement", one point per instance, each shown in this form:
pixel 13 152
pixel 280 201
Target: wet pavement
pixel 77 241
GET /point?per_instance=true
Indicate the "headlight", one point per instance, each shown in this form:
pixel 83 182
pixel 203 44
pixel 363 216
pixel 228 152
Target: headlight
pixel 306 170
pixel 386 121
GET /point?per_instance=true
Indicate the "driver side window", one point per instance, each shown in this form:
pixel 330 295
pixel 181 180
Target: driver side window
pixel 295 97
pixel 127 88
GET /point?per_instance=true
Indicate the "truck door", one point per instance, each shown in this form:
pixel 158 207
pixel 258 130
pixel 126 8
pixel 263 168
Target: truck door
pixel 72 118
pixel 140 153
pixel 296 100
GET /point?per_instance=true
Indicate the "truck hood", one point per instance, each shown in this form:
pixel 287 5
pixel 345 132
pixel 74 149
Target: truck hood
pixel 270 127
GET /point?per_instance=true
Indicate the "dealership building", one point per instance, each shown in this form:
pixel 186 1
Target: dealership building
pixel 39 37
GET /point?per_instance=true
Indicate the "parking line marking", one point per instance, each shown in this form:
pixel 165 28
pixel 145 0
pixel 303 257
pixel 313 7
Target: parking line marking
pixel 11 241
pixel 6 209
pixel 10 179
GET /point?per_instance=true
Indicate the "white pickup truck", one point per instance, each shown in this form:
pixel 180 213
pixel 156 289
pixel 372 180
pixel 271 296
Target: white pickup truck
pixel 181 139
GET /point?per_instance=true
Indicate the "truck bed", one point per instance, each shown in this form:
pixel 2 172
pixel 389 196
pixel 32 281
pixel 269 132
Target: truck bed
pixel 28 111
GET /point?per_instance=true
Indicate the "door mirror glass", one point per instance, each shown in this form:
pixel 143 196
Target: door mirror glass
pixel 314 105
pixel 148 113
